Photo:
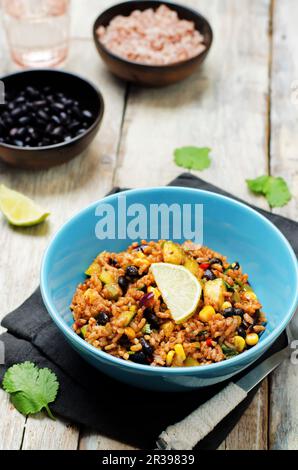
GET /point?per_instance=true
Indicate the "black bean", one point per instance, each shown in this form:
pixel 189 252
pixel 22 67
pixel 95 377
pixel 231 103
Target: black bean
pixel 208 274
pixel 74 126
pixel 58 131
pixel 235 266
pixel 102 318
pixel 77 112
pixel 32 92
pixel 229 312
pixel 55 119
pixel 87 114
pixel 146 348
pixel 63 117
pixel 242 331
pixel 215 261
pixel 124 341
pixel 123 283
pixel 13 132
pixel 43 115
pixel 24 120
pixel 20 99
pixel 151 317
pixel 39 104
pixel 16 112
pixel 50 128
pixel 18 143
pixel 46 142
pixel 139 357
pixel 238 311
pixel 21 132
pixel 132 272
pixel 58 107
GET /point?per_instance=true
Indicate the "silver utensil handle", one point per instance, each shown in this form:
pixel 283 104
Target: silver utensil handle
pixel 185 434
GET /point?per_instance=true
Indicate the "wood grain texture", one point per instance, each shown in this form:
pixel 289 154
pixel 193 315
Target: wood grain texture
pixel 11 424
pixel 284 162
pixel 93 441
pixel 43 433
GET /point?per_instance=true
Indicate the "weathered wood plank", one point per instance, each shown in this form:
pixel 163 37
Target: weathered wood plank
pixel 251 431
pixel 43 433
pixel 11 424
pixel 93 441
pixel 284 144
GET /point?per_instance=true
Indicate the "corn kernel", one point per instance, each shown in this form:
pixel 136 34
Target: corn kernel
pixel 239 343
pixel 252 339
pixel 250 296
pixel 168 328
pixel 136 347
pixel 155 291
pixel 130 332
pixel 181 356
pixel 206 313
pixel 170 356
pixel 226 305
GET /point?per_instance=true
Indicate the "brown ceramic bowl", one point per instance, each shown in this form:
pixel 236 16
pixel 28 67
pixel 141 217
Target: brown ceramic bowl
pixel 76 87
pixel 152 75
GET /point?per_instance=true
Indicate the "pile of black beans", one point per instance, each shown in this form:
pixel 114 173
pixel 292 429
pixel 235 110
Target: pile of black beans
pixel 38 117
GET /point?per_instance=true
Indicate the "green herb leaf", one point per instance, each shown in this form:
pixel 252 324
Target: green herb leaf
pixel 192 158
pixel 275 189
pixel 277 192
pixel 31 388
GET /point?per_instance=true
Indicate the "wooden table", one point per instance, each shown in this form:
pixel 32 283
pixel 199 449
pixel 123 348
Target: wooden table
pixel 242 104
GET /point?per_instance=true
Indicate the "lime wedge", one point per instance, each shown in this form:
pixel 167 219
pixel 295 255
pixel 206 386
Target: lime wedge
pixel 180 289
pixel 19 209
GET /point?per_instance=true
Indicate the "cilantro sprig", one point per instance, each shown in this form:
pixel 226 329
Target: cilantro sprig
pixel 275 189
pixel 31 389
pixel 192 158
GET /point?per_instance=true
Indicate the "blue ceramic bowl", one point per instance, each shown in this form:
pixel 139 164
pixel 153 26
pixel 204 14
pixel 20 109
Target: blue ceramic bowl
pixel 229 227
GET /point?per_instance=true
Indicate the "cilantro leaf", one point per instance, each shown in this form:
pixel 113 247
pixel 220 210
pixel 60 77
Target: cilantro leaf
pixel 31 388
pixel 277 192
pixel 275 189
pixel 192 158
pixel 258 184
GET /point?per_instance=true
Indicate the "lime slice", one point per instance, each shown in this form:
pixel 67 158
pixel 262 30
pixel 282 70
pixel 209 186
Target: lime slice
pixel 19 209
pixel 180 289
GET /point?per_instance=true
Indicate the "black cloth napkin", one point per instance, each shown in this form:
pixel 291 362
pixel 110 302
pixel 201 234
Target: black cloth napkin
pixel 89 398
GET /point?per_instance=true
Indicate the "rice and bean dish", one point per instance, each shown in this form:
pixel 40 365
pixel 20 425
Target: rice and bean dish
pixel 120 308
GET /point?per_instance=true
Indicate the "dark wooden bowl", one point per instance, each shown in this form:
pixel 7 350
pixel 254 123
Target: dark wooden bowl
pixel 152 75
pixel 45 157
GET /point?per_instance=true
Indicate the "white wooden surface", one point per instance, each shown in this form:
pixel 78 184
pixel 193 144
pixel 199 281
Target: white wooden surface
pixel 239 105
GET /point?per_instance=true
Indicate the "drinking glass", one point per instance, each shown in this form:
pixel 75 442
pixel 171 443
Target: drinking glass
pixel 37 31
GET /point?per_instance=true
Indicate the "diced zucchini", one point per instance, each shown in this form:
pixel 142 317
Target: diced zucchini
pixel 191 265
pixel 190 362
pixel 172 253
pixel 84 330
pixel 107 277
pixel 113 291
pixel 94 268
pixel 214 293
pixel 125 318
